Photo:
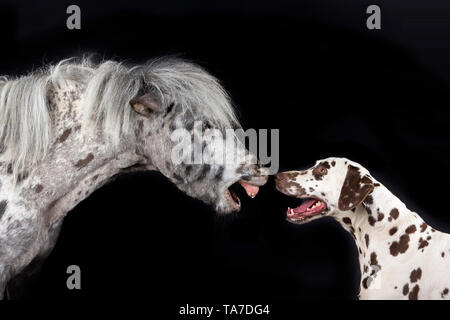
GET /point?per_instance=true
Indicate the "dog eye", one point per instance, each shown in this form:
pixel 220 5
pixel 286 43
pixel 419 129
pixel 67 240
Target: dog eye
pixel 321 170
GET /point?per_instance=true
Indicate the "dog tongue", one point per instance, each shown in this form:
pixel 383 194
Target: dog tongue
pixel 251 190
pixel 305 205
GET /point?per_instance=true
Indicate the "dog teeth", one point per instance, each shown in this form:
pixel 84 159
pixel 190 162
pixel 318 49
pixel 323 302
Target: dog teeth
pixel 252 195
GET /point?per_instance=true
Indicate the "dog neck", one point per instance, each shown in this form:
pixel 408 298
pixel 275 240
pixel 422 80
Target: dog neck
pixel 382 221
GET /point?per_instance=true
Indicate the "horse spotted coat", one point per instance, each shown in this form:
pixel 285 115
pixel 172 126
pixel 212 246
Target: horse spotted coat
pixel 77 124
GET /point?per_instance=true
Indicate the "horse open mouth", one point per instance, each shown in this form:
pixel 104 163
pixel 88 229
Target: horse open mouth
pixel 309 208
pixel 232 196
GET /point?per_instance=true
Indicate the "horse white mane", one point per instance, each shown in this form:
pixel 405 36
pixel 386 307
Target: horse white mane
pixel 107 88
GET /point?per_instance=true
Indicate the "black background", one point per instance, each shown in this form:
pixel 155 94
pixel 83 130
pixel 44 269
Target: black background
pixel 314 71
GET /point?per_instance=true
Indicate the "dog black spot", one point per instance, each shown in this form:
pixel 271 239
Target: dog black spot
pixel 366 236
pixel 393 230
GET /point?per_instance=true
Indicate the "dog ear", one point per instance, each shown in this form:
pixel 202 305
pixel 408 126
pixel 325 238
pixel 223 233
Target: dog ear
pixel 145 105
pixel 355 189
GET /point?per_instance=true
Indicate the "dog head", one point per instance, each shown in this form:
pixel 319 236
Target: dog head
pixel 331 186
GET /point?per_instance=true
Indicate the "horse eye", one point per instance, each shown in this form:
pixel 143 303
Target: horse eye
pixel 206 126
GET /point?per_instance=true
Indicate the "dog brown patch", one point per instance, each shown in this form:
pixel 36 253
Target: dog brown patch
pixel 373 259
pixel 422 243
pixel 405 289
pixel 394 213
pixel 414 294
pixel 372 220
pixel 423 227
pixel 415 275
pixel 411 229
pixel 400 246
pixel 364 282
pixel 393 230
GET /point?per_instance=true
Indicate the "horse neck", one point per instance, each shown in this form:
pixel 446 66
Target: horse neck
pixel 78 163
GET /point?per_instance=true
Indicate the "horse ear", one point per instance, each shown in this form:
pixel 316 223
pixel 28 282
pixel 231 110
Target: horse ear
pixel 355 189
pixel 145 105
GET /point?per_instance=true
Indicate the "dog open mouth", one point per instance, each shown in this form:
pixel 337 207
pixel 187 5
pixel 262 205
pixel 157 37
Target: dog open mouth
pixel 232 196
pixel 309 208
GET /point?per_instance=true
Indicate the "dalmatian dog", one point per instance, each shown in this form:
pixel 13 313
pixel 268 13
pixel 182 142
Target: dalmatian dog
pixel 400 255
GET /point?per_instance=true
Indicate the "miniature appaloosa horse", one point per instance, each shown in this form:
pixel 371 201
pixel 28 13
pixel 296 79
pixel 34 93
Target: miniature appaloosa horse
pixel 67 129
